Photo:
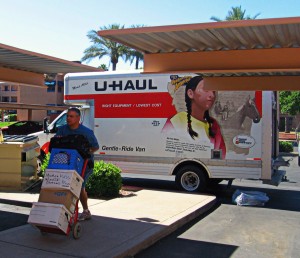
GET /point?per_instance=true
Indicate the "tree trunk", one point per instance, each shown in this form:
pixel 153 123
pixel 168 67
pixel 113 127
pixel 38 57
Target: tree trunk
pixel 114 66
pixel 137 63
pixel 286 125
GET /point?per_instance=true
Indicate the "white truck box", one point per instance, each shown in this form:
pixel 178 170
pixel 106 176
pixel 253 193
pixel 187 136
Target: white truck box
pixel 130 112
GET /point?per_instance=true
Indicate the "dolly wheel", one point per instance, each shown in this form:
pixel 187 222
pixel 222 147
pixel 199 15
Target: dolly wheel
pixel 77 229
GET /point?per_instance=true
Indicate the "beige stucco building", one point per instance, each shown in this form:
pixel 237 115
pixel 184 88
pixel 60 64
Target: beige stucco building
pixel 51 94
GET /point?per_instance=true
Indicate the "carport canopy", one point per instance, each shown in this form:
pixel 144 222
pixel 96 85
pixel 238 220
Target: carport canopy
pixel 26 67
pixel 262 54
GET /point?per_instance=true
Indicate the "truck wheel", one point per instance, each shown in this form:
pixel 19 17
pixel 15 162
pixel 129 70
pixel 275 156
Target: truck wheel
pixel 38 165
pixel 191 178
pixel 298 160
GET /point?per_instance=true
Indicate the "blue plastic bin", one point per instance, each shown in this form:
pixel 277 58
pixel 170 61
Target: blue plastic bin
pixel 68 159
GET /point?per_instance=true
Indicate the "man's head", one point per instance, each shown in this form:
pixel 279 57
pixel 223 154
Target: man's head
pixel 73 117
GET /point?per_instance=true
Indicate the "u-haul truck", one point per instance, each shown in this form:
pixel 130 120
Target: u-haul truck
pixel 133 116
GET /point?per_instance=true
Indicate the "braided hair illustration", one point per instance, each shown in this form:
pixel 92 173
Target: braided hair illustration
pixel 192 84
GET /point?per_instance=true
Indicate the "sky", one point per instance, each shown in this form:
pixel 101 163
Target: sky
pixel 59 27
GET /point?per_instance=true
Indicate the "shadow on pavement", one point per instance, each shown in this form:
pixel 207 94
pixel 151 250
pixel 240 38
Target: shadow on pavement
pixel 279 199
pixel 176 247
pixel 195 249
pixel 11 220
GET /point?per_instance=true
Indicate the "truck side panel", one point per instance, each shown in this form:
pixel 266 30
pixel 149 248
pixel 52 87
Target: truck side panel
pixel 133 121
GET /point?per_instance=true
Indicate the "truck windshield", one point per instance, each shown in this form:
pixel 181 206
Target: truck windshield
pixel 61 121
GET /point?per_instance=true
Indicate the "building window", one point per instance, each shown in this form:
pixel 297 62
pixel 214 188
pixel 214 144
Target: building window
pixel 13 99
pixel 5 99
pixel 60 83
pixel 53 112
pixel 14 88
pixel 51 89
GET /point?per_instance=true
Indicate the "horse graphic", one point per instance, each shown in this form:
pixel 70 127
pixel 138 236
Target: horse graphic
pixel 248 109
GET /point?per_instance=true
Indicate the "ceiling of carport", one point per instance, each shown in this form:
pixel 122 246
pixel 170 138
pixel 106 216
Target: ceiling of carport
pixel 215 36
pixel 268 49
pixel 23 60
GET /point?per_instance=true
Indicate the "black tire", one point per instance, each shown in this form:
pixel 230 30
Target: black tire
pixel 191 178
pixel 298 160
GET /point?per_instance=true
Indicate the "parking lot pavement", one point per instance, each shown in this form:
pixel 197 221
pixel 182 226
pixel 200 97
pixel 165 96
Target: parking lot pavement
pixel 239 231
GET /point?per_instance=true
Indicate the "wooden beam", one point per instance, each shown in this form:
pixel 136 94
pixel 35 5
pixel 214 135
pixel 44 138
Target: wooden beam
pixel 279 83
pixel 279 58
pixel 9 105
pixel 21 77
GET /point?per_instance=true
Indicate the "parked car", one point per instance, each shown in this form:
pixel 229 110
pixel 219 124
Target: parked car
pixel 22 128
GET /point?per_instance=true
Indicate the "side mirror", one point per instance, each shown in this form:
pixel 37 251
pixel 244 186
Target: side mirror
pixel 54 129
pixel 45 125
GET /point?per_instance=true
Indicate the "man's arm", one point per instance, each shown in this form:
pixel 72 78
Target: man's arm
pixel 93 149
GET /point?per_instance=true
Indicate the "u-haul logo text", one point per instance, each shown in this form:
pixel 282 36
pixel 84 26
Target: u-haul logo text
pixel 128 85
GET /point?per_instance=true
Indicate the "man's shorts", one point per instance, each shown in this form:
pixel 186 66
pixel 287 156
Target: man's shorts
pixel 87 174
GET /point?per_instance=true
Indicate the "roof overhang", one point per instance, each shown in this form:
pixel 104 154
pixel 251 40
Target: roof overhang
pixel 26 67
pixel 247 54
pixel 11 106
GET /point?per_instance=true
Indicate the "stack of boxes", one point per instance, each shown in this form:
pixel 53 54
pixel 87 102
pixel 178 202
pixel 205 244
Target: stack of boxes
pixel 60 191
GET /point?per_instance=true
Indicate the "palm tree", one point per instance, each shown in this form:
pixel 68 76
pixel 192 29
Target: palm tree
pixel 103 67
pixel 236 13
pixel 104 47
pixel 134 54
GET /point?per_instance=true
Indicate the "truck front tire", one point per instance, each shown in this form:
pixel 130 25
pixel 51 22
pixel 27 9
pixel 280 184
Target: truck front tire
pixel 191 178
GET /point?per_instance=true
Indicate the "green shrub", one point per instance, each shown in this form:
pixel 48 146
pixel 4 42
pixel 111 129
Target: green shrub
pixel 12 117
pixel 285 146
pixel 44 164
pixel 105 181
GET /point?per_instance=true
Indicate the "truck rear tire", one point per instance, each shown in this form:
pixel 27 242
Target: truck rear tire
pixel 191 178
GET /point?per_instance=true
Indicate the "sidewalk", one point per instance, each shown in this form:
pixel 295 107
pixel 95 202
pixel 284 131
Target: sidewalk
pixel 120 227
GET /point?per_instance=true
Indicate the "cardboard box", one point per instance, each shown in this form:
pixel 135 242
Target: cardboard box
pixel 50 215
pixel 63 179
pixel 65 197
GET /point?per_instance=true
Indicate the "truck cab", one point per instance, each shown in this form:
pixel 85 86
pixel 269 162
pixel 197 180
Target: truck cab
pixel 48 132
